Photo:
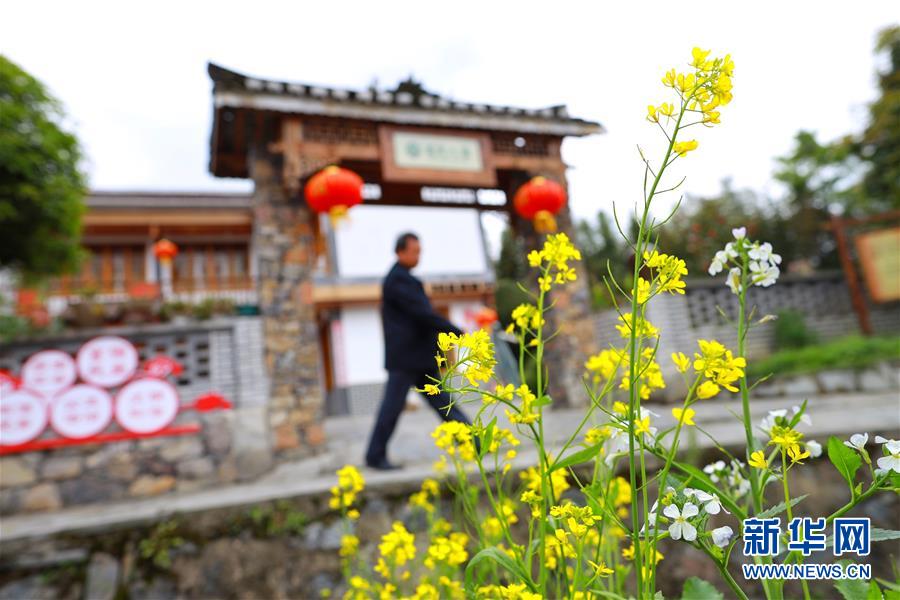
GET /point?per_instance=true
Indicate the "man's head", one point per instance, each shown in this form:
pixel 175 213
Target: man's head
pixel 408 250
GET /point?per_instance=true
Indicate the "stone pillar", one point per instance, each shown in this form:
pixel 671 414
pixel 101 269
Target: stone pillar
pixel 284 242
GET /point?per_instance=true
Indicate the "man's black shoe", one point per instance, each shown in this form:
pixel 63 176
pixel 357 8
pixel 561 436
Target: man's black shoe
pixel 383 466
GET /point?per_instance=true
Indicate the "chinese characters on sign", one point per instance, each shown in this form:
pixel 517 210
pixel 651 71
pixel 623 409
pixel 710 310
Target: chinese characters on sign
pixel 762 537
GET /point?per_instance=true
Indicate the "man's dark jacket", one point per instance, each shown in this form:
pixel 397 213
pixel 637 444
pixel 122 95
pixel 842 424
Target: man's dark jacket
pixel 410 324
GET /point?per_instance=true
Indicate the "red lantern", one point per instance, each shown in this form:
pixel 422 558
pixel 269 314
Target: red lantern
pixel 538 201
pixel 485 318
pixel 334 190
pixel 165 251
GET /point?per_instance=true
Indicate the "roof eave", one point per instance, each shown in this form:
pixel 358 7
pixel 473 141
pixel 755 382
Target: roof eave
pixel 408 115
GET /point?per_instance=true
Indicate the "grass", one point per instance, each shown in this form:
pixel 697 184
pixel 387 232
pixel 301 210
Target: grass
pixel 853 352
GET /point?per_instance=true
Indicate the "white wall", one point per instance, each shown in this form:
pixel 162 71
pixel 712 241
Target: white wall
pixel 452 240
pixel 362 359
pixel 358 342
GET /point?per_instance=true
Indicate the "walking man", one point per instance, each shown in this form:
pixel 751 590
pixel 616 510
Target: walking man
pixel 411 329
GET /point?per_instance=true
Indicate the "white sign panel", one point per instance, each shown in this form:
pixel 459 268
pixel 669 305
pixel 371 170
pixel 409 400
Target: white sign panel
pixel 81 412
pixel 48 372
pixel 107 361
pixel 146 405
pixel 23 416
pixel 441 152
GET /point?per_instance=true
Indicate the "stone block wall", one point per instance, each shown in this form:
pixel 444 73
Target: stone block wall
pixel 224 356
pixel 284 242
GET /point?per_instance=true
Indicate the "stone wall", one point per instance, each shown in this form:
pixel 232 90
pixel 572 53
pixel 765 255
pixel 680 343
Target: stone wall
pixel 224 356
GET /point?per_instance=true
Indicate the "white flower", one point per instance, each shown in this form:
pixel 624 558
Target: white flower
pixel 730 250
pixel 650 525
pixel 815 448
pixel 736 480
pixel 680 526
pixel 775 259
pixel 769 420
pixel 616 444
pixel 739 233
pixel 713 470
pixel 858 441
pixel 760 252
pixel 721 536
pixel 718 263
pixel 763 274
pixel 890 462
pixel 711 503
pixel 804 418
pixel 734 280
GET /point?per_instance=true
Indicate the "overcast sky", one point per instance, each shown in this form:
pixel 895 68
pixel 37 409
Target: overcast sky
pixel 134 82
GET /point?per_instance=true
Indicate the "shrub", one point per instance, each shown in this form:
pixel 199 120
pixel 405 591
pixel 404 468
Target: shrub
pixel 791 331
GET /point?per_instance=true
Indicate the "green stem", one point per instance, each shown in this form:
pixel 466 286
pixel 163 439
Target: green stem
pixel 756 493
pixel 663 478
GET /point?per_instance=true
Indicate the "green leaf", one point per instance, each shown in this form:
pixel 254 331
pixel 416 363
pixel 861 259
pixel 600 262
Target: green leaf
pixel 845 460
pixel 698 589
pixel 577 458
pixel 780 507
pixel 487 439
pixel 874 592
pixel 501 558
pixel 880 535
pixel 853 589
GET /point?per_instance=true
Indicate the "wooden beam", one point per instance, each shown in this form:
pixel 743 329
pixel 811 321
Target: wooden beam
pixel 857 298
pixel 148 218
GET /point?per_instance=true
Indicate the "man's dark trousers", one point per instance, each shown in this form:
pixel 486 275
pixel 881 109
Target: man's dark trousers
pixel 398 384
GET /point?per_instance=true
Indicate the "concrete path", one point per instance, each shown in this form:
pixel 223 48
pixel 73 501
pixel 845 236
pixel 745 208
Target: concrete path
pixel 412 446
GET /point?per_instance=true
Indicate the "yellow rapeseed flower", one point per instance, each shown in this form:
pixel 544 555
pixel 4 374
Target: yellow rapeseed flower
pixel 686 416
pixel 682 362
pixel 707 389
pixel 644 327
pixel 349 545
pixel 758 460
pixel 350 483
pixel 682 148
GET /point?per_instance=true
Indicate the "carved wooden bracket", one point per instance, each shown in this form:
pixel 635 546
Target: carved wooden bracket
pixel 299 161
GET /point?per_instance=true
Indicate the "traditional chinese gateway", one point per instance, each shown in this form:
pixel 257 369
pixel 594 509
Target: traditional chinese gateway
pixel 412 148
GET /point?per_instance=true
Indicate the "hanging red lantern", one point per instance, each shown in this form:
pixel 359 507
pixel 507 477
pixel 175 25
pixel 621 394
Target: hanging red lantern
pixel 165 251
pixel 539 201
pixel 485 318
pixel 334 190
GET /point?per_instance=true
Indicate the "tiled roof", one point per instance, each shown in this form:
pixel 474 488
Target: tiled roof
pixel 409 103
